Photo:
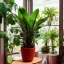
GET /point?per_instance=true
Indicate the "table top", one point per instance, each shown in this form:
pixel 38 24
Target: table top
pixel 35 60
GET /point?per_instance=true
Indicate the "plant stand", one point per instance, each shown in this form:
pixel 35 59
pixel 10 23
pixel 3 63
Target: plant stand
pixel 35 60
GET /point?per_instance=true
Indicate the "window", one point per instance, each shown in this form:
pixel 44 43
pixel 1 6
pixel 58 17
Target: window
pixel 19 3
pixel 43 4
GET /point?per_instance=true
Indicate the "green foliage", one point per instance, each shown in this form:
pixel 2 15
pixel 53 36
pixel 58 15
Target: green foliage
pixel 10 59
pixel 3 35
pixel 10 19
pixel 53 34
pixel 5 9
pixel 46 36
pixel 16 41
pixel 51 13
pixel 29 26
pixel 2 9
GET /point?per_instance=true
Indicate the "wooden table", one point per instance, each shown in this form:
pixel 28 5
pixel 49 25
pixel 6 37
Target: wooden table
pixel 35 60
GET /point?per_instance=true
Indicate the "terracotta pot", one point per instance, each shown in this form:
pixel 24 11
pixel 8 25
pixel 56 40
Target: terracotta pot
pixel 27 54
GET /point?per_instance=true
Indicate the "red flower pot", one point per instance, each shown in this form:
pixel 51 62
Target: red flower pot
pixel 27 54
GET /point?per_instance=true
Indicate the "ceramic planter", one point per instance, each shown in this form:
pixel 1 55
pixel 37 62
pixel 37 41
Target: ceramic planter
pixel 27 54
pixel 53 59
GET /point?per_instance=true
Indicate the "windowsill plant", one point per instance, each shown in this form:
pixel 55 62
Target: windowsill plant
pixel 29 26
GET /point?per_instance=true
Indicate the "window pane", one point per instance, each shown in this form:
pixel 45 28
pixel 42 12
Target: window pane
pixel 48 5
pixel 42 4
pixel 19 2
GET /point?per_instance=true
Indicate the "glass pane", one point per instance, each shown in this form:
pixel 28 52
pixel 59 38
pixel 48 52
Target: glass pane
pixel 42 4
pixel 48 7
pixel 19 3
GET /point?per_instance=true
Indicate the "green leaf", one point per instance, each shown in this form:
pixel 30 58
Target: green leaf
pixel 42 20
pixel 22 13
pixel 2 9
pixel 53 34
pixel 10 19
pixel 20 21
pixel 32 18
pixel 38 16
pixel 16 41
pixel 9 7
pixel 10 2
pixel 2 34
pixel 10 59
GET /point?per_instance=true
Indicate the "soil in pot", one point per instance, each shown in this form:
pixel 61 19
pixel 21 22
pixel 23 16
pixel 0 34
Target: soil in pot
pixel 27 54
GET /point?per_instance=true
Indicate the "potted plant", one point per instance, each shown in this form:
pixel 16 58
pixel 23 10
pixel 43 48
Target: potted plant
pixel 45 48
pixel 29 26
pixel 53 58
pixel 53 35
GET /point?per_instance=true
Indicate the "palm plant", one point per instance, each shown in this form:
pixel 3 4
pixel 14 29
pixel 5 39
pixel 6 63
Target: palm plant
pixel 51 13
pixel 45 36
pixel 53 35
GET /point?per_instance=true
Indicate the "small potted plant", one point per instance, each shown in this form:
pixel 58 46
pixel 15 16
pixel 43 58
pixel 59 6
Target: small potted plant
pixel 53 35
pixel 53 58
pixel 45 37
